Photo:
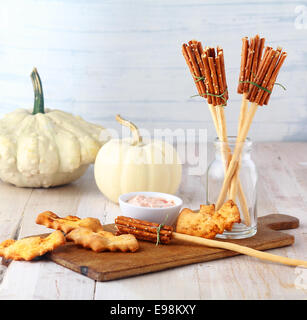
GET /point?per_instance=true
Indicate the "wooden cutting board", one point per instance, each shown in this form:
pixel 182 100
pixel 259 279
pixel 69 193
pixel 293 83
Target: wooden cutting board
pixel 107 266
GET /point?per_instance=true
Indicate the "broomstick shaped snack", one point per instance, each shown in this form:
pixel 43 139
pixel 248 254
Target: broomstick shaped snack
pixel 250 61
pixel 258 94
pixel 186 230
pixel 207 67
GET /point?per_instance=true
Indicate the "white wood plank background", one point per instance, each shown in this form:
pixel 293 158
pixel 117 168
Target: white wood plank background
pixel 102 57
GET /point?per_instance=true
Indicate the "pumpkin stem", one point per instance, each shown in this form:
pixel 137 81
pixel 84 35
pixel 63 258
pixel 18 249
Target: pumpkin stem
pixel 38 93
pixel 134 129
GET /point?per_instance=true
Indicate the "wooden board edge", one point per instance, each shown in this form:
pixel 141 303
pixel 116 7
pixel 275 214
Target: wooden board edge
pixel 108 276
pixel 120 274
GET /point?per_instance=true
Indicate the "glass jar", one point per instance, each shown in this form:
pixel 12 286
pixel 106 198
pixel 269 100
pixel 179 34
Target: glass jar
pixel 247 177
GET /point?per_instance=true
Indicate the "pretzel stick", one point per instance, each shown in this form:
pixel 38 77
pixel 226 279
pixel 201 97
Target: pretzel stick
pixel 254 68
pixel 142 225
pixel 266 95
pixel 220 53
pixel 144 230
pixel 243 64
pixel 214 80
pixel 209 84
pixel 260 50
pixel 249 63
pixel 143 235
pixel 240 249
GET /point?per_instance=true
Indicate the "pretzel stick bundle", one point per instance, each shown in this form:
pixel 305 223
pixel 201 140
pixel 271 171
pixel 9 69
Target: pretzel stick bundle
pixel 210 78
pixel 258 94
pixel 217 88
pixel 194 68
pixel 144 230
pixel 198 63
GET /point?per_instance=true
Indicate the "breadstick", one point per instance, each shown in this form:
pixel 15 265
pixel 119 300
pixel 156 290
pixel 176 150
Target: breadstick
pixel 236 155
pixel 240 249
pixel 234 182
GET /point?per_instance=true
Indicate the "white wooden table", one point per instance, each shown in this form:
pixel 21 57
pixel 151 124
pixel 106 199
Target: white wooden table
pixel 282 188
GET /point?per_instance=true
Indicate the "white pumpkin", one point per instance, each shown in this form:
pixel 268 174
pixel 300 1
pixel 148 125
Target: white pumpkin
pixel 46 147
pixel 131 164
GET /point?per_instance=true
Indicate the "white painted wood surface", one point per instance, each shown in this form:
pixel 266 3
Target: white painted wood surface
pixel 282 188
pixel 98 58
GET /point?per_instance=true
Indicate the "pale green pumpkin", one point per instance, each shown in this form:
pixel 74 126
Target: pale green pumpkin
pixel 46 147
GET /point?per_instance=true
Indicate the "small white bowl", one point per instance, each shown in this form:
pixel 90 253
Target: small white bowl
pixel 157 215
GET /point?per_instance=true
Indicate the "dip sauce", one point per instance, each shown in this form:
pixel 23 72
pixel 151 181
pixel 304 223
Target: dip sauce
pixel 151 202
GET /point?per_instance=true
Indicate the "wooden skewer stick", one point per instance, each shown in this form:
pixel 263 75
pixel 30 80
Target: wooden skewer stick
pixel 240 249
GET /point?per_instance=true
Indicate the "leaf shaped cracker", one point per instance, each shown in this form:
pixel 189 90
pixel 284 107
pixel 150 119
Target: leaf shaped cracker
pixel 51 220
pixel 32 247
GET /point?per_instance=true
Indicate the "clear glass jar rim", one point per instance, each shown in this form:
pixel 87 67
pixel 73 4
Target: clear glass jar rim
pixel 232 141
